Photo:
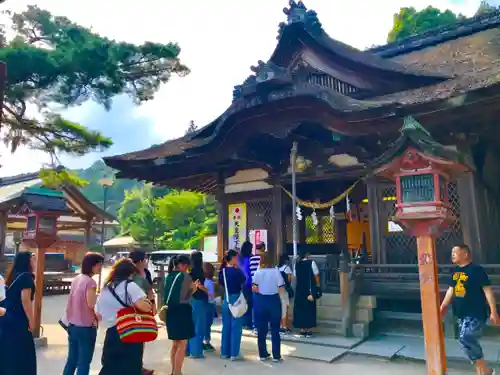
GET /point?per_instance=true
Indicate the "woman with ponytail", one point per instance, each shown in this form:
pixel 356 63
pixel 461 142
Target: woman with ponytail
pixel 179 315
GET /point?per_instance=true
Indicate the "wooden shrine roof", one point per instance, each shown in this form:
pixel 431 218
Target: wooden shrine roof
pixel 438 71
pixel 13 187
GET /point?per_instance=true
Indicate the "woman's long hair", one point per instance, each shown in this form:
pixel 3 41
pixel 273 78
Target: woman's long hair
pixel 177 260
pixel 122 270
pixel 197 262
pixel 21 263
pixel 246 249
pixel 267 260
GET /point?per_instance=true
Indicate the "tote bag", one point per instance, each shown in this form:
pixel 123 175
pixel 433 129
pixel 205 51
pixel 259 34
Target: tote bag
pixel 240 306
pixel 134 326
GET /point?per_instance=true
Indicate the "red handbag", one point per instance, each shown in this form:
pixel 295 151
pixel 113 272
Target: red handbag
pixel 134 326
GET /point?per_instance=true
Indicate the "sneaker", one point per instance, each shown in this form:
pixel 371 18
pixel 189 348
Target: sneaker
pixel 238 358
pixel 308 334
pixel 208 348
pixel 224 356
pixel 277 360
pixel 265 358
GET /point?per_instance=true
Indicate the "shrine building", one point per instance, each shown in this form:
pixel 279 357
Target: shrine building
pixel 344 109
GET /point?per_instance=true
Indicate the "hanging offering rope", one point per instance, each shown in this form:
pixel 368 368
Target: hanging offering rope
pixel 325 205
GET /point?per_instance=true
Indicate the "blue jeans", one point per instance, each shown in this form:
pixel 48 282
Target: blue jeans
pixel 470 332
pixel 195 345
pixel 232 329
pixel 80 350
pixel 268 313
pixel 248 317
pixel 208 323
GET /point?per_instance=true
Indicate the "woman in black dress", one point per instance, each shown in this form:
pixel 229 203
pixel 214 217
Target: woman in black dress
pixel 179 288
pixel 307 291
pixel 17 352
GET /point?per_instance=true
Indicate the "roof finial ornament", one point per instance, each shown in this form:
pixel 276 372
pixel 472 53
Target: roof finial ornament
pixel 298 13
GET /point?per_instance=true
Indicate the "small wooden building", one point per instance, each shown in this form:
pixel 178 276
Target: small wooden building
pixel 77 231
pixel 344 108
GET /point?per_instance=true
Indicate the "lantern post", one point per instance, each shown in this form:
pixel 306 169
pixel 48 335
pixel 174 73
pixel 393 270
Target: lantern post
pixel 422 169
pixel 41 233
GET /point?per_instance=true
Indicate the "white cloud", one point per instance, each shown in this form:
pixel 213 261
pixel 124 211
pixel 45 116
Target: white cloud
pixel 220 40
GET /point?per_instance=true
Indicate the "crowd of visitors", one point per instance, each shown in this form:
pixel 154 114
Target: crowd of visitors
pixel 255 292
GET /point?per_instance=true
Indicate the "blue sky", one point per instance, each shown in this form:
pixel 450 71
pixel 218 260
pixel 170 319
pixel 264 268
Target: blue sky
pixel 220 40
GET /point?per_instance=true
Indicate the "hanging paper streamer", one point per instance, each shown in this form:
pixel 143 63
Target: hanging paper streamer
pixel 347 208
pixel 314 218
pixel 332 213
pixel 298 211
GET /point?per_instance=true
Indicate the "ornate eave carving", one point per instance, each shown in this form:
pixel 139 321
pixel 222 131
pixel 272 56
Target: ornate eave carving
pixel 265 75
pixel 298 13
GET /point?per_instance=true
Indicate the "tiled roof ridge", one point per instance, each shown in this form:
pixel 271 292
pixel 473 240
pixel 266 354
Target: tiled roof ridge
pixel 19 178
pixel 439 35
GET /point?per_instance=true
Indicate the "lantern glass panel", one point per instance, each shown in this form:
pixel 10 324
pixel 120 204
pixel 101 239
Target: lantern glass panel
pixel 31 224
pixel 417 188
pixel 47 224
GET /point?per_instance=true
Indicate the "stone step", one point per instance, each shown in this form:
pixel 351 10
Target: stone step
pixel 365 302
pixel 360 330
pixel 335 313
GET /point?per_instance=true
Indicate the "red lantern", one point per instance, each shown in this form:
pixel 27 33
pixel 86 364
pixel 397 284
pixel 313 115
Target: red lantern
pixel 422 202
pixel 41 229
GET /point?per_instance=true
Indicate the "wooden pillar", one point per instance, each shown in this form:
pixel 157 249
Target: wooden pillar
pixel 39 278
pixel 88 232
pixel 435 352
pixel 474 224
pixel 222 218
pixel 278 221
pixel 341 234
pixel 376 219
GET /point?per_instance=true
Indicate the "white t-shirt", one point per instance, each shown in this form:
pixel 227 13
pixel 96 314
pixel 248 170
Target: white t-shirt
pixel 269 281
pixel 107 305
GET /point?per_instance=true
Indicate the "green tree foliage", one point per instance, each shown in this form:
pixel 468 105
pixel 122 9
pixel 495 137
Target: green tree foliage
pixel 189 217
pixel 138 216
pixel 54 63
pixel 177 220
pixel 55 178
pixel 409 21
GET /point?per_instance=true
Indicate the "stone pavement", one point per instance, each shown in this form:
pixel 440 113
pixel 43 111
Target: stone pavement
pixel 325 354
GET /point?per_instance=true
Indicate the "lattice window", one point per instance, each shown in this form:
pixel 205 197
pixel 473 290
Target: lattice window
pixel 453 235
pixel 259 214
pixel 402 248
pixel 322 233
